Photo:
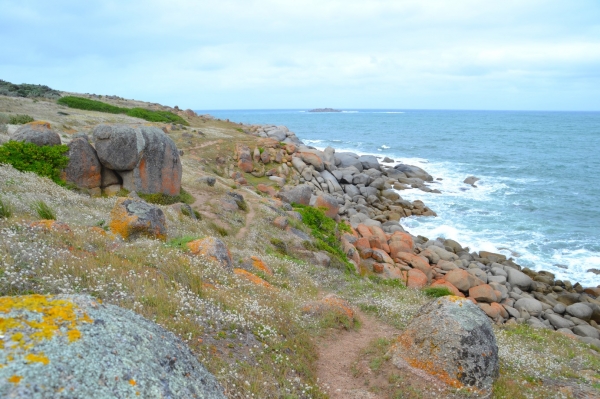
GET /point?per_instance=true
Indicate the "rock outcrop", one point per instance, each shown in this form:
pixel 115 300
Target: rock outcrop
pixel 132 218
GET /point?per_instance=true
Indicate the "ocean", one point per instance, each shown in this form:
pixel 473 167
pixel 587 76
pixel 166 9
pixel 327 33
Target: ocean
pixel 537 197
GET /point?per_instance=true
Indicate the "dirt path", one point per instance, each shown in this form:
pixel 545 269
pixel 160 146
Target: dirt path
pixel 340 351
pixel 249 218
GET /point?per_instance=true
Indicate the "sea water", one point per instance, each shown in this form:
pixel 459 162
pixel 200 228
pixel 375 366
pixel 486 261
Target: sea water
pixel 538 194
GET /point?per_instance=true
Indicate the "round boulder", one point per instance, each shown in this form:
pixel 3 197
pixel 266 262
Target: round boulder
pixel 451 339
pixel 580 310
pixel 119 147
pixel 38 133
pixel 77 347
pixel 214 249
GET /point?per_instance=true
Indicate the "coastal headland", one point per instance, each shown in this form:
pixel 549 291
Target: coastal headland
pixel 266 260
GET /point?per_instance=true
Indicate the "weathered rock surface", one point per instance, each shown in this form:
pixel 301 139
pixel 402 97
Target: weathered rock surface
pixel 84 168
pixel 133 218
pixel 119 147
pixel 214 249
pixel 300 194
pixel 453 340
pixel 414 172
pixel 97 351
pixel 38 133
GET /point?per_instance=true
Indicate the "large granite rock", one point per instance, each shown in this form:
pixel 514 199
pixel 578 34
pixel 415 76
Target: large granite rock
pixel 453 340
pixel 369 162
pixel 519 279
pixel 299 194
pixel 84 168
pixel 38 133
pixel 77 347
pixel 119 147
pixel 159 169
pixel 414 171
pixel 145 157
pixel 346 159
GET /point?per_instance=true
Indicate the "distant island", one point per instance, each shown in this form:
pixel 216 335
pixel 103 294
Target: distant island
pixel 324 110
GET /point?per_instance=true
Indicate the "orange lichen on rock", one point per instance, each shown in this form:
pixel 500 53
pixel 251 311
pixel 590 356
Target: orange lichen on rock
pixel 39 124
pixel 15 379
pixel 252 278
pixel 330 303
pixel 259 264
pixel 128 223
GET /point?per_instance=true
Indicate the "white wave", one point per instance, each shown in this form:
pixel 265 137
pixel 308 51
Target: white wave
pixel 385 147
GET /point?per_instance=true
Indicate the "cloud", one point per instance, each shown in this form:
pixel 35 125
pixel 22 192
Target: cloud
pixel 278 54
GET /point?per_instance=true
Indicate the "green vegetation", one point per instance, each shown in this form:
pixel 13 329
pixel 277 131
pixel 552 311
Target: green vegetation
pixel 180 242
pixel 164 199
pixel 146 114
pixel 326 233
pixel 19 119
pixel 436 292
pixel 45 161
pixel 44 211
pixel 6 209
pixel 27 90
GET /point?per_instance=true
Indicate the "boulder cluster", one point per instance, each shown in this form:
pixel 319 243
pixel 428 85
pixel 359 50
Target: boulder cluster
pixel 505 291
pixel 138 158
pixel 353 187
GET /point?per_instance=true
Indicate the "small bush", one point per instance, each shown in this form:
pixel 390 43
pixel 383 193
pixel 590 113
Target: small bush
pixel 280 245
pixel 44 211
pixel 181 242
pixel 164 199
pixel 45 161
pixel 19 119
pixel 6 209
pixel 436 292
pixel 223 232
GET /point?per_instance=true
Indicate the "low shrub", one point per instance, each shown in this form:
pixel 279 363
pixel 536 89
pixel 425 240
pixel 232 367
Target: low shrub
pixel 44 211
pixel 436 292
pixel 326 231
pixel 45 161
pixel 19 119
pixel 180 242
pixel 165 199
pixel 142 113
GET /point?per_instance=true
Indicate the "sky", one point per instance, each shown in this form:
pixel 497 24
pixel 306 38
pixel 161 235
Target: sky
pixel 271 54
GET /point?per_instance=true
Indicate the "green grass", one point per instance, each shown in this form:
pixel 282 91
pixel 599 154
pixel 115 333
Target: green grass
pixel 46 161
pixel 146 114
pixel 44 211
pixel 6 209
pixel 436 292
pixel 164 199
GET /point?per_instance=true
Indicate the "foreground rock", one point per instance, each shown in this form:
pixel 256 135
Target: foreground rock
pixel 85 349
pixel 84 168
pixel 214 249
pixel 452 340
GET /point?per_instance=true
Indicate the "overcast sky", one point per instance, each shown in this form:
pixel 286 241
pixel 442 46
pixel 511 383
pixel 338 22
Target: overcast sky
pixel 252 54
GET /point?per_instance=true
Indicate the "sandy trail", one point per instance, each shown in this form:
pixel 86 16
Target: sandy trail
pixel 341 350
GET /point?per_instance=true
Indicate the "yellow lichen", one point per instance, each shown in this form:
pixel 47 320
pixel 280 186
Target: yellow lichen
pixel 36 318
pixel 30 358
pixel 15 379
pixel 132 382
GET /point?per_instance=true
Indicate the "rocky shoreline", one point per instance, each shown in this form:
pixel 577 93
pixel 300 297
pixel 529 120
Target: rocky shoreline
pixel 362 191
